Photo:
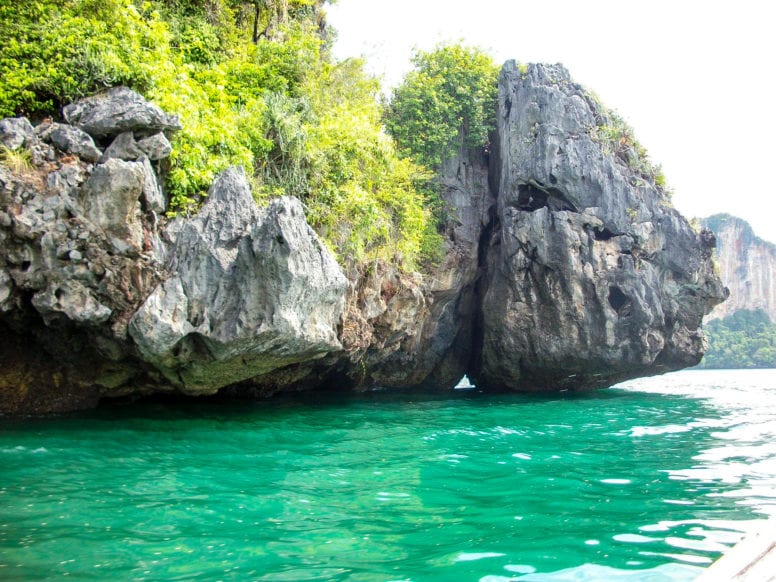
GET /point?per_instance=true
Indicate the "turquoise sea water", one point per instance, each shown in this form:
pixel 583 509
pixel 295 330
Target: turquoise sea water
pixel 647 482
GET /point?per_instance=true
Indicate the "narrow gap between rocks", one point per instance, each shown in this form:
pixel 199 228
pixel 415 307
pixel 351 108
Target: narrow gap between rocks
pixel 489 230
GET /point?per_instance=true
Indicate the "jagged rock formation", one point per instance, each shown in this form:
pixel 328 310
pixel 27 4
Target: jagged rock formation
pixel 96 298
pixel 592 278
pixel 563 269
pixel 81 249
pixel 747 266
pixel 117 111
pixel 250 291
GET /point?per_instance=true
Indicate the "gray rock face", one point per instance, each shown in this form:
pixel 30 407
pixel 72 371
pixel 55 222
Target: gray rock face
pixel 111 200
pixel 592 277
pixel 16 132
pixel 564 268
pixel 123 147
pixel 73 141
pixel 80 250
pixel 251 291
pixel 118 110
pixel 72 299
pixel 245 294
pixel 156 146
pixel 153 197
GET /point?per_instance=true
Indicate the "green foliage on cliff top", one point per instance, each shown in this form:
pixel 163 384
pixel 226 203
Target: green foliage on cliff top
pixel 57 51
pixel 450 94
pixel 253 85
pixel 619 140
pixel 745 339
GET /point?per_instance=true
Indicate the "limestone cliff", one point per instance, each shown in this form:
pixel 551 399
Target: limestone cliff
pixel 563 269
pixel 747 266
pixel 592 277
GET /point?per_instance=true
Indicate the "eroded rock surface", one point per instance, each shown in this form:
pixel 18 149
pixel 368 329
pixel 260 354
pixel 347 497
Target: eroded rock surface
pixel 250 291
pixel 563 268
pixel 78 255
pixel 116 111
pixel 416 332
pixel 101 296
pixel 592 277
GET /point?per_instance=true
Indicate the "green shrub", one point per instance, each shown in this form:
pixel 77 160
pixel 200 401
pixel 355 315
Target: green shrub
pixel 58 51
pixel 362 195
pixel 301 124
pixel 450 95
pixel 619 140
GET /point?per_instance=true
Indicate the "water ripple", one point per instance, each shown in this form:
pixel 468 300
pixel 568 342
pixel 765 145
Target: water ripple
pixel 650 481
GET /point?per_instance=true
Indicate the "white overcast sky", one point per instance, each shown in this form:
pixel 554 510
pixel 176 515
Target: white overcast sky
pixel 695 79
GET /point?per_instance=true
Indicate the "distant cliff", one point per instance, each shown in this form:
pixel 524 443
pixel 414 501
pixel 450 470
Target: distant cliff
pixel 747 266
pixel 564 267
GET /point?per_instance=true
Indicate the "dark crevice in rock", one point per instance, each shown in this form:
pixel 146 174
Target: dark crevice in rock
pixel 250 302
pixel 604 234
pixel 489 231
pixel 532 197
pixel 619 301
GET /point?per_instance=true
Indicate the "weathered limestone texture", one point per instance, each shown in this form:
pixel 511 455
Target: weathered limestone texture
pixel 250 291
pixel 564 267
pixel 592 277
pixel 416 332
pixel 116 111
pixel 79 252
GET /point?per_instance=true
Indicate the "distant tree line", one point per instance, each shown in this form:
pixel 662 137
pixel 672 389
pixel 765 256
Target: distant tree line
pixel 745 339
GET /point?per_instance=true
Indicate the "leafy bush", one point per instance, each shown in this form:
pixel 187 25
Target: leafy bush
pixel 618 139
pixel 450 95
pixel 273 104
pixel 58 51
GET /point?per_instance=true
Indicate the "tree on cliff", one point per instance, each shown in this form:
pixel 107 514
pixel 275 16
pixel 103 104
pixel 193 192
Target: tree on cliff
pixel 450 95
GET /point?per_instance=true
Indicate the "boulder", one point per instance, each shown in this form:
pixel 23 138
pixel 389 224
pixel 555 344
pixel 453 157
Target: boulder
pixel 156 146
pixel 251 291
pixel 74 141
pixel 153 197
pixel 123 147
pixel 118 110
pixel 111 200
pixel 16 132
